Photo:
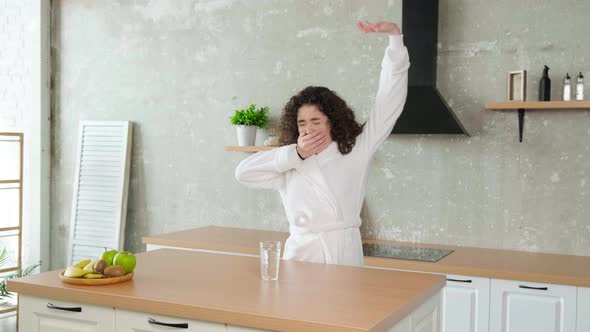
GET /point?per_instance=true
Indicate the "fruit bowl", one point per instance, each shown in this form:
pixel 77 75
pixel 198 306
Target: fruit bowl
pixel 95 282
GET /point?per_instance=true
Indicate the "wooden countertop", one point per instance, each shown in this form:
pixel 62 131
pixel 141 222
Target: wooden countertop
pixel 228 289
pixel 468 261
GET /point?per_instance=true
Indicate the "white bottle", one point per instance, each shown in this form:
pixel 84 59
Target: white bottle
pixel 567 88
pixel 580 87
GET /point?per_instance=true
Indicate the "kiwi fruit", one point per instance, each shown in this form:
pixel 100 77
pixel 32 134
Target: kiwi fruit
pixel 114 271
pixel 100 265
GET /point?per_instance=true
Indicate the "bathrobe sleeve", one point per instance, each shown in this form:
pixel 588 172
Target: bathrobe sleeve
pixel 267 169
pixel 391 95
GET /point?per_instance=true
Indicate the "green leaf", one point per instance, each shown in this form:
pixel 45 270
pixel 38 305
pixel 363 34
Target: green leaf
pixel 250 116
pixel 3 256
pixel 4 293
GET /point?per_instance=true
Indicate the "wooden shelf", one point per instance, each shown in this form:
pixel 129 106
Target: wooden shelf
pixel 523 106
pixel 8 306
pixel 9 269
pixel 9 181
pixel 236 148
pixel 7 137
pixel 539 105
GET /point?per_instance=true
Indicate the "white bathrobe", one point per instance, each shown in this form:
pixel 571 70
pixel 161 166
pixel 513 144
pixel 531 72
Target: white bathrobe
pixel 324 193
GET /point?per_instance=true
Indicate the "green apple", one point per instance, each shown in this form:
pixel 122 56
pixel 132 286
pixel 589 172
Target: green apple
pixel 109 255
pixel 126 260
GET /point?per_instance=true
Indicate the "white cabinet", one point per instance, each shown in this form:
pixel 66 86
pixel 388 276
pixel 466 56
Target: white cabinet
pixel 427 317
pixel 132 321
pixel 44 315
pixel 517 306
pixel 466 304
pixel 583 309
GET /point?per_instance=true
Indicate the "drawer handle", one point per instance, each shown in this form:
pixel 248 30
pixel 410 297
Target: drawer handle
pixel 468 281
pixel 72 309
pixel 178 325
pixel 530 287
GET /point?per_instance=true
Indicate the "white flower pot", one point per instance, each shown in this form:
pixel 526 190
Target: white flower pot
pixel 246 135
pixel 260 136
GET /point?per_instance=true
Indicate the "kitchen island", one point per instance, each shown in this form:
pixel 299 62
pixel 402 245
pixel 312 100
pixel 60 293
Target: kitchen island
pixel 200 291
pixel 487 289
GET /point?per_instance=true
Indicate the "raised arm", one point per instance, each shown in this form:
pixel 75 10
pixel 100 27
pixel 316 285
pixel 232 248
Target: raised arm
pixel 393 86
pixel 267 169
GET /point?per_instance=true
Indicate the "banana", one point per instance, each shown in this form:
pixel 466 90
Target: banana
pixel 74 272
pixel 93 276
pixel 89 267
pixel 82 264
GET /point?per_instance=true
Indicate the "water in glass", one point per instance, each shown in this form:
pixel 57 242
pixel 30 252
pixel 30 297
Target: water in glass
pixel 270 255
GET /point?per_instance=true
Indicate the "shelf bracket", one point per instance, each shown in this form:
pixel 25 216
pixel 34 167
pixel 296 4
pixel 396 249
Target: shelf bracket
pixel 520 123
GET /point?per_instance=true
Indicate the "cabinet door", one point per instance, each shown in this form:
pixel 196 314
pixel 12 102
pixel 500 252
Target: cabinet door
pixel 466 304
pixel 518 306
pixel 427 317
pixel 583 309
pixel 132 321
pixel 45 315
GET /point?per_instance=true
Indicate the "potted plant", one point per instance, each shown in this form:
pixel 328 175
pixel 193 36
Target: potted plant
pixel 247 121
pixel 262 125
pixel 5 295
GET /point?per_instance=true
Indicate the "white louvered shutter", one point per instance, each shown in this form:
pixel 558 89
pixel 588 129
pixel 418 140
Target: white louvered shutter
pixel 99 203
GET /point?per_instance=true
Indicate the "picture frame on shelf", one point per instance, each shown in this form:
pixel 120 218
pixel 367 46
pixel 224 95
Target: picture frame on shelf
pixel 517 85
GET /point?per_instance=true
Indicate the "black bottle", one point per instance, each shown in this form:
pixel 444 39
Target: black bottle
pixel 545 86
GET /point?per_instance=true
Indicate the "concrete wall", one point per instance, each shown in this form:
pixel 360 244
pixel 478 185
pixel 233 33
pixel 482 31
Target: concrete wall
pixel 179 68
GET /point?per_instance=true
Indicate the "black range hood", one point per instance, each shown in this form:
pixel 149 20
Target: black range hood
pixel 426 111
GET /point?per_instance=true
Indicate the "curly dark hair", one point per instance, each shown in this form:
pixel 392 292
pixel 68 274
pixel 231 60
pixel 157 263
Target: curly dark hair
pixel 344 127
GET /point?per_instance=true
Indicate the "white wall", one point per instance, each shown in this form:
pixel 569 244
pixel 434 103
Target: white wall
pixel 24 107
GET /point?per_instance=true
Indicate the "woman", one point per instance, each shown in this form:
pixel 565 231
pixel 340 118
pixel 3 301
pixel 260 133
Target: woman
pixel 321 171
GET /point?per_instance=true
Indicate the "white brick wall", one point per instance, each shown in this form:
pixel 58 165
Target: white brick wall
pixel 15 63
pixel 17 74
pixel 24 107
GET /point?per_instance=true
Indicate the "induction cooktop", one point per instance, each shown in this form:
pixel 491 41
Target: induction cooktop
pixel 404 252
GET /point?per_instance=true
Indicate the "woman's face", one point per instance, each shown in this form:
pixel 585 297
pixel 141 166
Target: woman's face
pixel 310 119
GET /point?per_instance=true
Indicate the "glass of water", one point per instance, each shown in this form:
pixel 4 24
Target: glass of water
pixel 270 255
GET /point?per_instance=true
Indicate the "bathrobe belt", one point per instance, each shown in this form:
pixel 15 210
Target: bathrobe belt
pixel 301 227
